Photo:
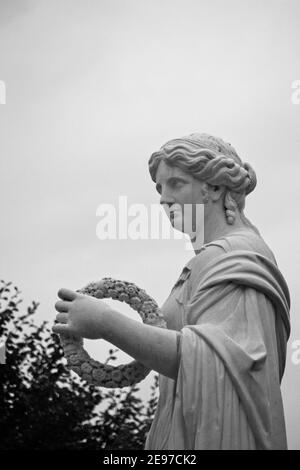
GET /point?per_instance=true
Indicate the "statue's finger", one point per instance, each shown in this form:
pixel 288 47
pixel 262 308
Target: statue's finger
pixel 66 294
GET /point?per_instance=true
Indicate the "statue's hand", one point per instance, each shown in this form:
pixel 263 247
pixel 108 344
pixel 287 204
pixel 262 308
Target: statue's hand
pixel 79 315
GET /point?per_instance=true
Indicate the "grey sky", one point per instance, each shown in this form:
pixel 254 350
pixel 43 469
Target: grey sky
pixel 93 88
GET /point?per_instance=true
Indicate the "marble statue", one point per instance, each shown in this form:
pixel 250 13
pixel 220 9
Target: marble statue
pixel 222 356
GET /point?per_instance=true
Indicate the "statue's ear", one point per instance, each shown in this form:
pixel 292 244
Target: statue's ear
pixel 205 192
pixel 216 191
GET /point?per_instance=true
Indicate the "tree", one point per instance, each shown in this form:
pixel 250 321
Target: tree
pixel 43 405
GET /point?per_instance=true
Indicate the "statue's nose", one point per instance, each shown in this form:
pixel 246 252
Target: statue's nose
pixel 167 198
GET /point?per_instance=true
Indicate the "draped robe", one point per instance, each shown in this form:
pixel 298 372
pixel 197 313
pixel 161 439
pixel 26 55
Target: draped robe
pixel 233 316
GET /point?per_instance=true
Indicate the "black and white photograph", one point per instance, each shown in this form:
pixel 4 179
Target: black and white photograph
pixel 149 269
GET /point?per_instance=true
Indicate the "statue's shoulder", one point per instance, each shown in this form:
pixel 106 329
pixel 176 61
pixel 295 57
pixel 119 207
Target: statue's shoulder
pixel 246 240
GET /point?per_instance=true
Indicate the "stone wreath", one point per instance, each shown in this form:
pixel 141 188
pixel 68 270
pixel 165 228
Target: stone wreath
pixel 105 375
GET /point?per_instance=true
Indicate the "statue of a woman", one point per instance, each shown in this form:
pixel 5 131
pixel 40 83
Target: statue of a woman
pixel 222 357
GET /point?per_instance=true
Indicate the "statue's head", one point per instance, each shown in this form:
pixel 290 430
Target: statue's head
pixel 213 161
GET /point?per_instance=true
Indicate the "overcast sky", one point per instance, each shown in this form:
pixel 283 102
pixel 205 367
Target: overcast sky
pixel 93 88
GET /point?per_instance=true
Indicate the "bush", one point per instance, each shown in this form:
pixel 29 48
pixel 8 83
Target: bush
pixel 45 406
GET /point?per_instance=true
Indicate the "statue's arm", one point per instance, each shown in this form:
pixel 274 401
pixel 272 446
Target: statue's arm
pixel 155 347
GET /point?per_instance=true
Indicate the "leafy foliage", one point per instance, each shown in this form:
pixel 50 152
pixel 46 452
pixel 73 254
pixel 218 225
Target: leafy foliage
pixel 43 405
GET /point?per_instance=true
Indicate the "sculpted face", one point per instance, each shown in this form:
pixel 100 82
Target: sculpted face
pixel 177 189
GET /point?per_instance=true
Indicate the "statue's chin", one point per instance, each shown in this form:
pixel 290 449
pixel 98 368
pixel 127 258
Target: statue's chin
pixel 177 223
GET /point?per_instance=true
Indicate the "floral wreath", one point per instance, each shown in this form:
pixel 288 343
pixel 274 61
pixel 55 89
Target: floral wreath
pixel 105 375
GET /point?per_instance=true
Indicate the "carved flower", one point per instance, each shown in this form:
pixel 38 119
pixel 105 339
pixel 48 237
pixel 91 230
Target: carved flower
pixel 99 374
pixel 151 317
pixel 94 363
pixel 86 377
pixel 146 309
pixel 116 375
pixel 148 303
pixel 135 307
pixel 129 373
pixel 124 297
pixel 74 360
pixel 131 290
pixel 86 368
pixel 135 301
pixel 100 294
pixel 120 286
pixel 110 384
pixel 143 294
pixel 113 293
pixel 124 383
pixel 109 284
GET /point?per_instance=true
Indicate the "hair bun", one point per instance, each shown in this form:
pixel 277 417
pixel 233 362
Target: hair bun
pixel 252 177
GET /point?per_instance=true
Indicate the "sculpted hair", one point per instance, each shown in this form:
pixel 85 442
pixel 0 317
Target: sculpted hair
pixel 215 162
